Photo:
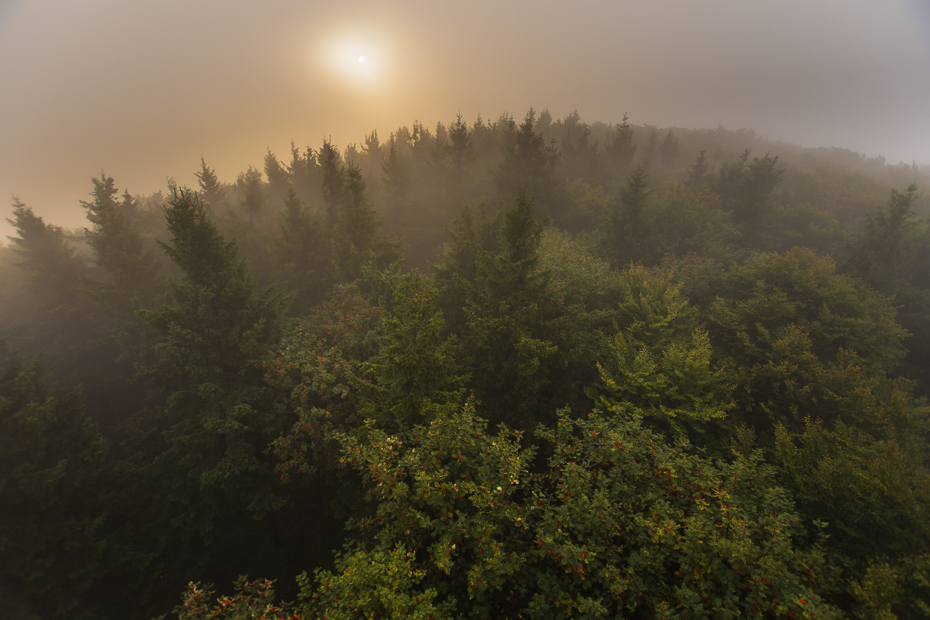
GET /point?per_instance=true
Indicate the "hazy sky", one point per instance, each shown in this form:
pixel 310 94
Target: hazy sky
pixel 143 89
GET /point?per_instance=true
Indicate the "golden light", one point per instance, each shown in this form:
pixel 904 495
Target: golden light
pixel 357 58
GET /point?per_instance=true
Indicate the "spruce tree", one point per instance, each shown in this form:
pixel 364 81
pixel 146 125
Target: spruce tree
pixel 333 181
pixel 506 339
pixel 205 445
pixel 357 236
pixel 302 254
pixel 211 192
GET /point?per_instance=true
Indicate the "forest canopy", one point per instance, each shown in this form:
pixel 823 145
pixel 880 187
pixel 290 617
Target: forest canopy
pixel 511 368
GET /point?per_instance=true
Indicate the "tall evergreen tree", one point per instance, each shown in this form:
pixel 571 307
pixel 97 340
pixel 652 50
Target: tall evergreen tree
pixel 52 486
pixel 892 255
pixel 625 240
pixel 506 340
pixel 302 254
pixel 131 281
pixel 66 322
pixel 620 150
pixel 251 193
pixel 357 235
pixel 303 174
pixel 395 177
pixel 119 248
pixel 669 149
pixel 697 172
pixel 333 181
pixel 205 445
pixel 211 192
pixel 745 187
pixel 461 151
pixel 531 164
pixel 276 176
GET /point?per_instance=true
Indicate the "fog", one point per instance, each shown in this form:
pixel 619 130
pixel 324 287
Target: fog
pixel 143 90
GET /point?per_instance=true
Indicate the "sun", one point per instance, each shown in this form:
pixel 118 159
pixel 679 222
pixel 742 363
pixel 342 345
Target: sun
pixel 356 58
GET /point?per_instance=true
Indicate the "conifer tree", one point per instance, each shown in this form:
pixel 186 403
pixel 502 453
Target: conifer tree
pixel 461 151
pixel 211 192
pixel 745 187
pixel 395 177
pixel 531 164
pixel 506 338
pixel 66 322
pixel 333 182
pixel 251 192
pixel 697 172
pixel 414 375
pixel 357 236
pixel 303 174
pixel 205 444
pixel 53 460
pixel 276 176
pixel 627 227
pixel 119 248
pixel 302 254
pixel 620 150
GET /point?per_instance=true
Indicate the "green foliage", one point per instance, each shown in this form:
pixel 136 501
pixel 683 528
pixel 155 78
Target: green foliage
pixel 879 248
pixel 252 600
pixel 357 236
pixel 625 235
pixel 375 584
pixel 682 221
pixel 666 533
pixel 506 340
pixel 333 181
pixel 52 470
pixel 778 305
pixel 775 363
pixel 699 277
pixel 64 319
pixel 302 254
pixel 619 523
pixel 277 177
pixel 579 156
pixel 415 371
pixel 892 255
pixel 660 359
pixel 648 226
pixel 251 193
pixel 669 149
pixel 810 351
pixel 530 164
pixel 745 187
pixel 54 268
pixel 211 192
pixel 132 278
pixel 801 226
pixel 219 415
pixel 620 149
pixel 317 366
pixel 394 173
pixel 450 494
pixel 118 246
pixel 586 206
pixel 697 172
pixel 874 494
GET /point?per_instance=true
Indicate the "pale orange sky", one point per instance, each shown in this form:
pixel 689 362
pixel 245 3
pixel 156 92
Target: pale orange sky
pixel 142 90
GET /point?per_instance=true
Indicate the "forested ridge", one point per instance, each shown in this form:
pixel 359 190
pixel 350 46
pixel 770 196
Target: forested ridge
pixel 513 368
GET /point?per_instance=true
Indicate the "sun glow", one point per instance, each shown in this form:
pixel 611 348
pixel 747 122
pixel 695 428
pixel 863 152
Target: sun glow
pixel 357 58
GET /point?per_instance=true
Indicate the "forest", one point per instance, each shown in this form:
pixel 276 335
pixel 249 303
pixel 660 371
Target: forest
pixel 528 368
